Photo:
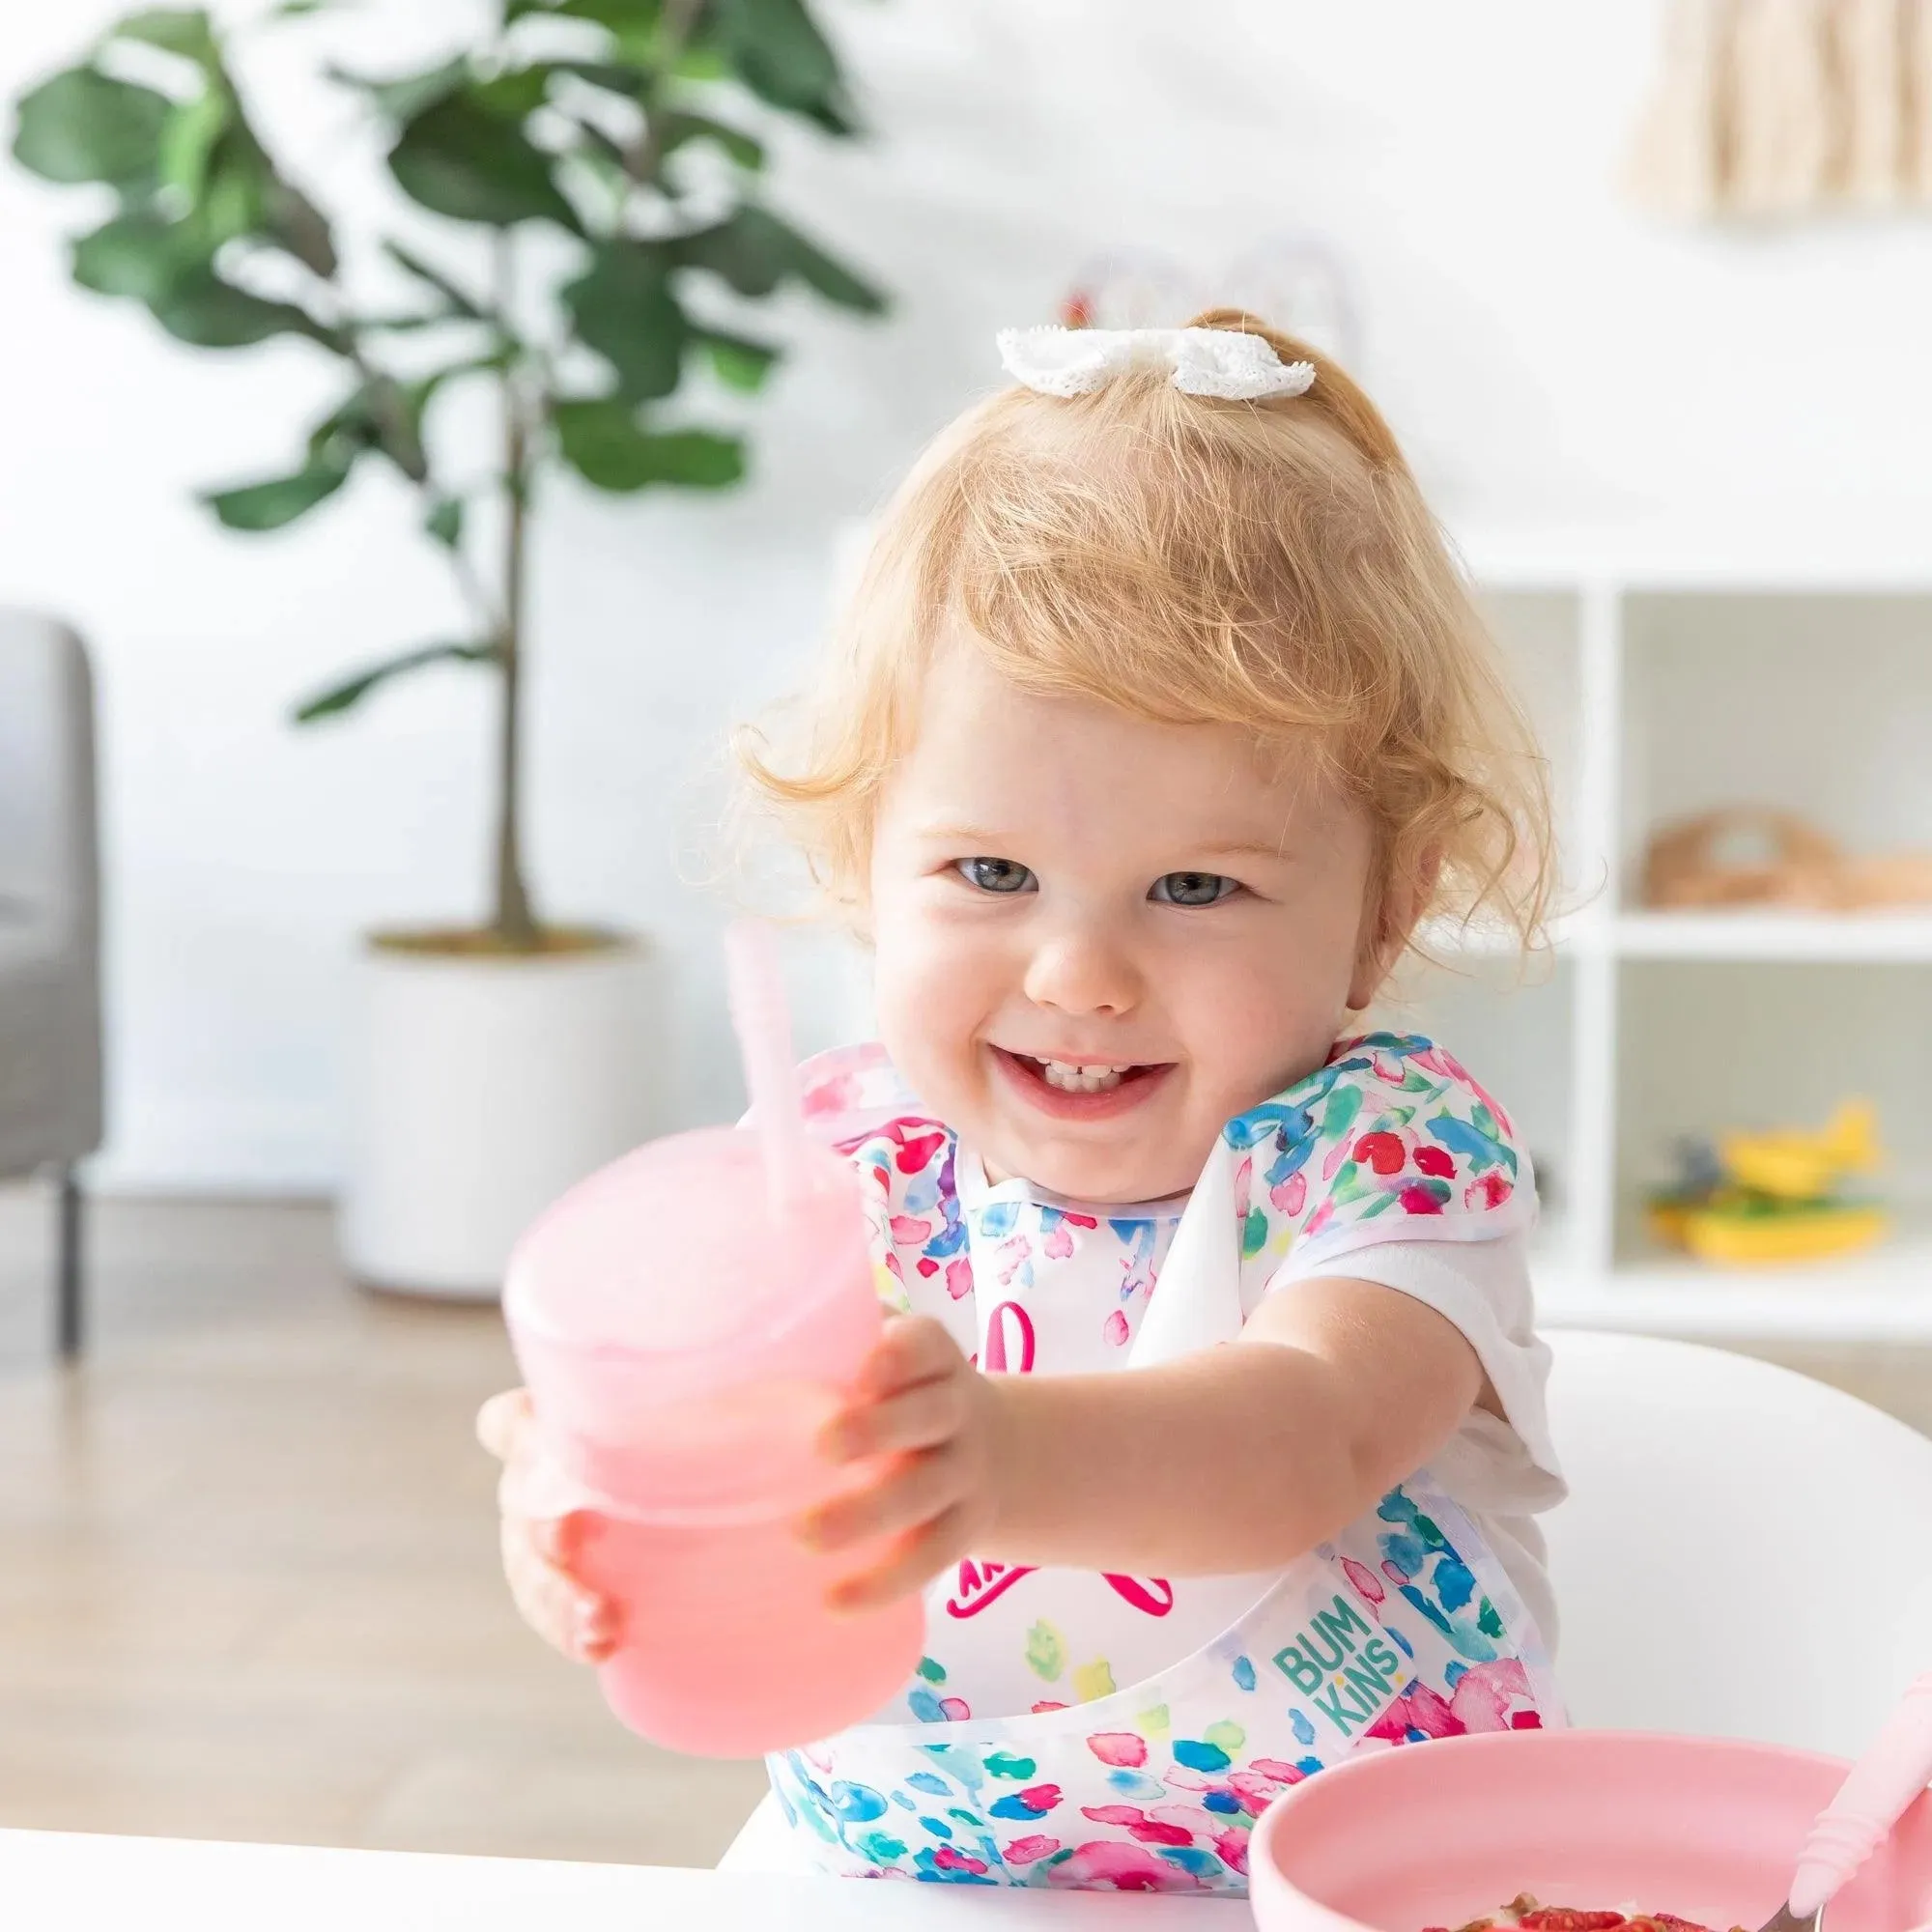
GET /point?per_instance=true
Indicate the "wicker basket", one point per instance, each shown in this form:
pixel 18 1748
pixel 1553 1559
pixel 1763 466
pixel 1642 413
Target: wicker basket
pixel 1751 855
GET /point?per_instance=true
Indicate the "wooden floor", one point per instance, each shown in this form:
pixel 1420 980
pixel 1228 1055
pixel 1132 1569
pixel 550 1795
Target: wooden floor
pixel 249 1586
pixel 249 1582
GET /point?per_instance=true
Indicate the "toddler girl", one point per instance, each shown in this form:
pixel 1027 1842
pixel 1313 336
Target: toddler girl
pixel 1159 724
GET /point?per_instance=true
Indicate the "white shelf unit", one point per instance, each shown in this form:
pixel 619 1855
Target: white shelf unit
pixel 1664 685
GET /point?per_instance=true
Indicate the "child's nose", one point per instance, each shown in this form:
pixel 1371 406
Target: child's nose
pixel 1083 972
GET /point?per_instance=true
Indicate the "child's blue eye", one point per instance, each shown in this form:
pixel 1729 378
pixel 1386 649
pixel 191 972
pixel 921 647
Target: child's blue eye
pixel 1192 889
pixel 996 876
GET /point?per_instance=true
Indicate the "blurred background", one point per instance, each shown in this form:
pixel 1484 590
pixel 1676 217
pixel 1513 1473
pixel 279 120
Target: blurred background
pixel 1659 362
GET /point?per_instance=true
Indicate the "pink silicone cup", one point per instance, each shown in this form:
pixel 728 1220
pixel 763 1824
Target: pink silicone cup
pixel 1885 1780
pixel 1439 1834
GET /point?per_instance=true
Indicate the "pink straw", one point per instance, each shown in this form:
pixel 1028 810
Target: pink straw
pixel 763 1026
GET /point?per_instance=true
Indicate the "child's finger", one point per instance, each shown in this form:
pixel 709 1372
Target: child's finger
pixel 914 1348
pixel 916 1490
pixel 558 1539
pixel 915 1560
pixel 574 1620
pixel 919 1418
pixel 503 1423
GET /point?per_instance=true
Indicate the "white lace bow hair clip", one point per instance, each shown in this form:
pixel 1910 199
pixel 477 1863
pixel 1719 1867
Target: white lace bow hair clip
pixel 1223 362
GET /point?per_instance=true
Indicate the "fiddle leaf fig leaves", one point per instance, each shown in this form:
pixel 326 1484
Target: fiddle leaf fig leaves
pixel 755 253
pixel 577 235
pixel 175 30
pixel 280 500
pixel 601 439
pixel 345 696
pixel 203 309
pixel 460 159
pixel 736 360
pixel 86 126
pixel 624 309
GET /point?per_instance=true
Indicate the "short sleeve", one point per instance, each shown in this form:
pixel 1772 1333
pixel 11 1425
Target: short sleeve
pixel 1390 1140
pixel 1503 1469
pixel 1484 1289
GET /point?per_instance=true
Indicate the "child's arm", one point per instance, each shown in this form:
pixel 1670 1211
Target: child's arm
pixel 1237 1458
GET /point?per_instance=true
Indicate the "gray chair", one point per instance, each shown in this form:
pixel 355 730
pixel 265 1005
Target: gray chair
pixel 50 1077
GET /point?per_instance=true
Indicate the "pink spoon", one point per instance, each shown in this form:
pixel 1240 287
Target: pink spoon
pixel 1885 1780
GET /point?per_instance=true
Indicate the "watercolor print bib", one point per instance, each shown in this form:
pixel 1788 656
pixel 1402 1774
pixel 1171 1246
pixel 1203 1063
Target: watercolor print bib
pixel 1389 1139
pixel 1205 1695
pixel 1403 1629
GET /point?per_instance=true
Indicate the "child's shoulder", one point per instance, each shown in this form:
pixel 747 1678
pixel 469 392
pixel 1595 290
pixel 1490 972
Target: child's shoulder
pixel 1390 1138
pixel 856 1102
pixel 1408 1070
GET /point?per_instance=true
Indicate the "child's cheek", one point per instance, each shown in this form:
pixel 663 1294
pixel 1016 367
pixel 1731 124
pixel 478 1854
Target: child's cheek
pixel 924 1013
pixel 1257 1024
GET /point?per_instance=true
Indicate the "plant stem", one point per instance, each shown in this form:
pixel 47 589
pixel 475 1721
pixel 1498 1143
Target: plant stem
pixel 674 30
pixel 472 586
pixel 515 925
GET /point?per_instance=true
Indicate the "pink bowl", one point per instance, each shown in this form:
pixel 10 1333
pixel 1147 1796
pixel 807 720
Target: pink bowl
pixel 1442 1832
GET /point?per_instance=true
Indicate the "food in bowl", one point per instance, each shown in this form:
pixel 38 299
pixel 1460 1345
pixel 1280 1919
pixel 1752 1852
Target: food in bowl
pixel 1523 1914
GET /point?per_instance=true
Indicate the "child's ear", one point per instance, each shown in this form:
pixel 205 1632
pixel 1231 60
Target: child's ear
pixel 1405 895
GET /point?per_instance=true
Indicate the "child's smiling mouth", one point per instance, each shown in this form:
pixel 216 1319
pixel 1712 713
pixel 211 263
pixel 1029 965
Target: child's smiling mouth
pixel 1080 1090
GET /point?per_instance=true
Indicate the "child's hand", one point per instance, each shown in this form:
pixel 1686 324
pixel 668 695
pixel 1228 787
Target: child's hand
pixel 538 1549
pixel 935 1423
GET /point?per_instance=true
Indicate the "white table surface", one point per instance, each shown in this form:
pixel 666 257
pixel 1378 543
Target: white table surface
pixel 70 1882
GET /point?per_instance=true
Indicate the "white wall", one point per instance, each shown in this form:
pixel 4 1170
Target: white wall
pixel 1544 350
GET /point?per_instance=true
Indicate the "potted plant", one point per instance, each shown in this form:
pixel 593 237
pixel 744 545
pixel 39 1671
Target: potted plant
pixel 602 162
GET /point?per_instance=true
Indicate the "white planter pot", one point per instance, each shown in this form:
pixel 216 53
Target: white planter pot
pixel 482 1087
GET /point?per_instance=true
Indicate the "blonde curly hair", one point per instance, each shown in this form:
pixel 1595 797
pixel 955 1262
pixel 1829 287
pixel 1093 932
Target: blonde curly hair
pixel 1266 564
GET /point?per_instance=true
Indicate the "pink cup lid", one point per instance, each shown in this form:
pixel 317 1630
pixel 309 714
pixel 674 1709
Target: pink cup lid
pixel 667 1252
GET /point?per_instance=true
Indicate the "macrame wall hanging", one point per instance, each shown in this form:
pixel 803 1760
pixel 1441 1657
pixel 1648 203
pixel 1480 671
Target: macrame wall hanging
pixel 1775 109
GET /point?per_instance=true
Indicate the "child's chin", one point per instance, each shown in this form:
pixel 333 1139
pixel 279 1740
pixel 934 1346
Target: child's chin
pixel 1105 1177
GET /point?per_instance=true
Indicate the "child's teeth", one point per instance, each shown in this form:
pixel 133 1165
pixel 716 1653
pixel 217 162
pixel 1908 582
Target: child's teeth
pixel 1072 1077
